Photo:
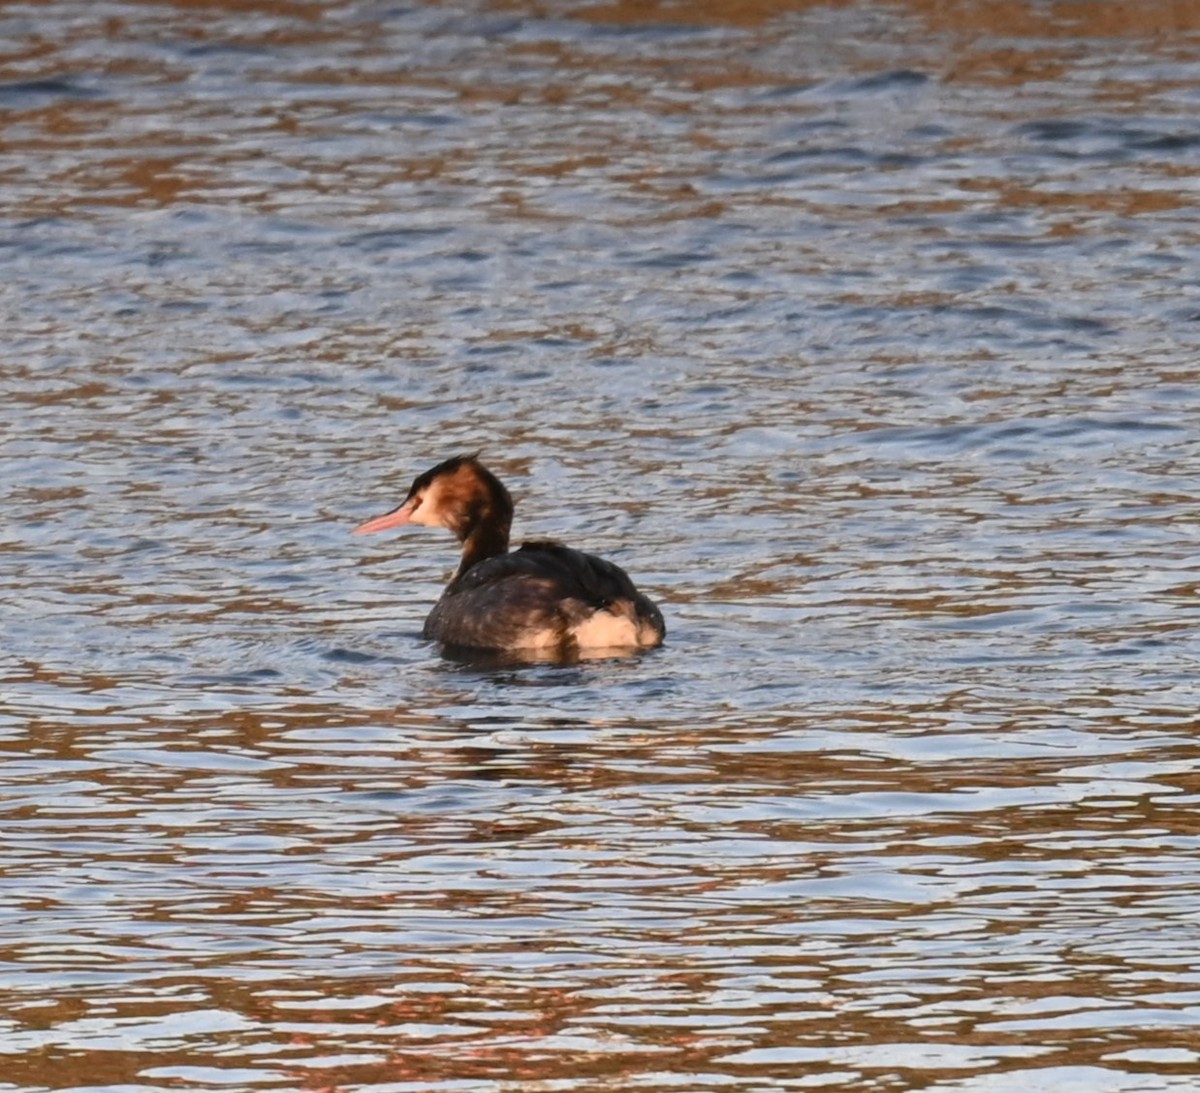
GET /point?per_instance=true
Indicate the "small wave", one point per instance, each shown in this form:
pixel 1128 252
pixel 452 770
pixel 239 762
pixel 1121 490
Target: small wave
pixel 49 87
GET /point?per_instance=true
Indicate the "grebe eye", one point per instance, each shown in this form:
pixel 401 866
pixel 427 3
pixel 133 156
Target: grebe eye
pixel 417 502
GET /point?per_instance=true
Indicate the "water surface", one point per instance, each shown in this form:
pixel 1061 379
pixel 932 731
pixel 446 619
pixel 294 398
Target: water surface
pixel 863 335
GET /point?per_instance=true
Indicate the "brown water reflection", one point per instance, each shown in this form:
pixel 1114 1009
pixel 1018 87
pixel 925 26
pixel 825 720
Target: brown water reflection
pixel 863 335
pixel 333 905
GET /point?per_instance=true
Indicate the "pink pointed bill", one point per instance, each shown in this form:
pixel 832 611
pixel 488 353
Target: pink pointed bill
pixel 394 519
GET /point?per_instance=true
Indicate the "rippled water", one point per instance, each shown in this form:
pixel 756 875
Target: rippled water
pixel 864 336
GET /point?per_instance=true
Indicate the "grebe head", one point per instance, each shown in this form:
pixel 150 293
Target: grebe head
pixel 460 494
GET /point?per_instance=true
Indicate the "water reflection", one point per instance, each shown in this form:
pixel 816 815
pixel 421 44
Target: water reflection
pixel 865 334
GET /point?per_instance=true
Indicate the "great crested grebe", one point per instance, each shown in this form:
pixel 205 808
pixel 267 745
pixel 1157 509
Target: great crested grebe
pixel 543 597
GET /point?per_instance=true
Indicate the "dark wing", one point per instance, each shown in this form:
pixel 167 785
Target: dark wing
pixel 594 581
pixel 543 585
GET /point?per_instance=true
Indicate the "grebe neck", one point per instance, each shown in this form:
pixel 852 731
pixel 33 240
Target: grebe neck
pixel 482 520
pixel 486 539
